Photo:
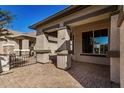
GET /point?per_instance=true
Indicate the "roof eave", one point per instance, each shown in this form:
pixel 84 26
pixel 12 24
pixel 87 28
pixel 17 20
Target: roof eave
pixel 34 26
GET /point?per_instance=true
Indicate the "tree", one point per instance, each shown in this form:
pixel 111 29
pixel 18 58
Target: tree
pixel 5 20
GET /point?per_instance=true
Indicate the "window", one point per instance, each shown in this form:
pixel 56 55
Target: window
pixel 87 42
pixel 72 44
pixel 95 41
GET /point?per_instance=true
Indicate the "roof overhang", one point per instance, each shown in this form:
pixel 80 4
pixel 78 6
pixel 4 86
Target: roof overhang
pixel 23 37
pixel 67 11
pixel 121 16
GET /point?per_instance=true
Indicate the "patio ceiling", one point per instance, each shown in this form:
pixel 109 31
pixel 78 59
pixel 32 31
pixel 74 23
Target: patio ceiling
pixel 89 20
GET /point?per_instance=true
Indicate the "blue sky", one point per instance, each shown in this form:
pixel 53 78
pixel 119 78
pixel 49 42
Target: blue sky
pixel 26 15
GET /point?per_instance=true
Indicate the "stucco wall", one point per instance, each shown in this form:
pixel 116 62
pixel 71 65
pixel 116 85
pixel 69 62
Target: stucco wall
pixel 15 42
pixel 53 47
pixel 25 44
pixel 77 31
pixel 1 46
pixel 63 38
pixel 42 42
pixel 114 46
pixel 122 55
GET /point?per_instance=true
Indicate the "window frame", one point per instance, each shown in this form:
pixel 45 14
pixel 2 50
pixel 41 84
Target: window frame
pixel 95 54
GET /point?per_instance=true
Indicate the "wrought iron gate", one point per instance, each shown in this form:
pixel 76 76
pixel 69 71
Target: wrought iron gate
pixel 17 61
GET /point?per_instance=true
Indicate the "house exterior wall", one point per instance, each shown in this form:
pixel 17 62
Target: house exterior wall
pixel 25 44
pixel 77 32
pixel 41 42
pixel 114 46
pixel 63 56
pixel 15 42
pixel 78 29
pixel 9 41
pixel 63 38
pixel 53 48
pixel 61 21
pixel 1 46
pixel 122 55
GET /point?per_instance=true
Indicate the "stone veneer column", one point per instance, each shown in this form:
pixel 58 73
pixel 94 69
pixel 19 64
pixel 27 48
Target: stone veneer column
pixel 42 49
pixel 114 50
pixel 63 56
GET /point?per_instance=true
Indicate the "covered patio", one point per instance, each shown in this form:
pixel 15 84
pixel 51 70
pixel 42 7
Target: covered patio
pixel 92 75
pixel 84 34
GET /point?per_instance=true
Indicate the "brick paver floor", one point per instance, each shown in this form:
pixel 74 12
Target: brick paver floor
pixel 38 75
pixel 47 75
pixel 91 75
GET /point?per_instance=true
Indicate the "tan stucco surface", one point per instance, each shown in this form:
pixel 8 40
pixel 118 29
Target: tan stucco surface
pixel 53 48
pixel 15 41
pixel 25 44
pixel 41 42
pixel 63 38
pixel 9 41
pixel 63 60
pixel 122 55
pixel 1 46
pixel 114 46
pixel 77 31
pixel 33 33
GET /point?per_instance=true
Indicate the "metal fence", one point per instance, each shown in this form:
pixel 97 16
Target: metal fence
pixel 17 61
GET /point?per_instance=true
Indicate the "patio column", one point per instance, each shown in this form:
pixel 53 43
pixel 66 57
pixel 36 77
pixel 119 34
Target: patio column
pixel 25 44
pixel 122 55
pixel 42 49
pixel 63 55
pixel 114 50
pixel 25 47
pixel 122 50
